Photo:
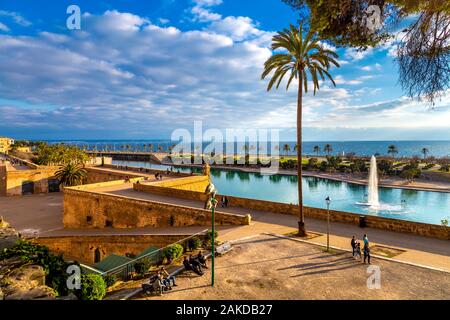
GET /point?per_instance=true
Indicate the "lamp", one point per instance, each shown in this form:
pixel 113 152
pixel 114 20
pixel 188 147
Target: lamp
pixel 328 202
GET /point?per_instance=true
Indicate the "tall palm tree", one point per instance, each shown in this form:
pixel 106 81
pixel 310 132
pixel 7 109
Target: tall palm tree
pixel 392 149
pixel 425 151
pixel 71 175
pixel 301 53
pixel 316 150
pixel 328 149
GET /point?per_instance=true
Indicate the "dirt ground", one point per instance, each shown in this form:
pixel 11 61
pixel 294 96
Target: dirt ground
pixel 268 267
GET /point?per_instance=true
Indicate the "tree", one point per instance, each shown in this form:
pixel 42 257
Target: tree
pixel 423 50
pixel 392 149
pixel 385 167
pixel 328 149
pixel 286 148
pixel 59 154
pixel 304 54
pixel 316 150
pixel 425 151
pixel 71 175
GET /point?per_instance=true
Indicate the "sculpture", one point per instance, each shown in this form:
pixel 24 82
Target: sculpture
pixel 210 197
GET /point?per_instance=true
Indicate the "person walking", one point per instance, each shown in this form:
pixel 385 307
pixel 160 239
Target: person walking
pixel 366 240
pixel 366 254
pixel 358 251
pixel 353 244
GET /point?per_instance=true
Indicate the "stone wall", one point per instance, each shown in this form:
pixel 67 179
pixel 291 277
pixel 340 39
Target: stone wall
pixel 11 180
pixel 40 177
pixel 87 209
pixel 147 171
pixel 98 175
pixel 2 179
pixel 82 248
pixel 192 183
pixel 423 229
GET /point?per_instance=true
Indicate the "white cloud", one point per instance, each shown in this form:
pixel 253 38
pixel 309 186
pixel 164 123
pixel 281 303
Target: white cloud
pixel 207 3
pixel 356 55
pixel 4 27
pixel 237 28
pixel 122 69
pixel 17 18
pixel 202 13
pixel 137 73
pixel 115 21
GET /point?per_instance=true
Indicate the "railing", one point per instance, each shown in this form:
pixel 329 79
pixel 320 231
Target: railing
pixel 153 258
pixel 89 270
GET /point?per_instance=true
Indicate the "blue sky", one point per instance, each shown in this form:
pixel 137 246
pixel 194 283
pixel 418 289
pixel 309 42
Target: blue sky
pixel 141 69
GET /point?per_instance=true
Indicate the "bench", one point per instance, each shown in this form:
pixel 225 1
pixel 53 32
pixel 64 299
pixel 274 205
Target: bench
pixel 223 248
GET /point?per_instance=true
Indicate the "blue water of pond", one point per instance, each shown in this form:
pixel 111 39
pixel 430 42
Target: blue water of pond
pixel 421 206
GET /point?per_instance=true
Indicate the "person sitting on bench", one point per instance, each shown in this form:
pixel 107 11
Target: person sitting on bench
pixel 189 267
pixel 167 278
pixel 195 263
pixel 155 285
pixel 201 258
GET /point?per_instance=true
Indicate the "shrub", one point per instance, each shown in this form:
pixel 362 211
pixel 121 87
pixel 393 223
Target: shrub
pixel 54 266
pixel 312 163
pixel 142 266
pixel 428 166
pixel 323 166
pixel 93 287
pixel 194 243
pixel 110 280
pixel 173 252
pixel 410 174
pixel 208 237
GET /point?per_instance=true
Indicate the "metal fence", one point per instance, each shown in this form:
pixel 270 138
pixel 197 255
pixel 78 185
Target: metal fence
pixel 153 258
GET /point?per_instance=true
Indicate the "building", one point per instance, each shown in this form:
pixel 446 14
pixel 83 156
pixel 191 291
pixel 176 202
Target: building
pixel 5 144
pixel 23 149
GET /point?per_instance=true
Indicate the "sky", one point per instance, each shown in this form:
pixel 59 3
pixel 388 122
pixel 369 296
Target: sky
pixel 141 69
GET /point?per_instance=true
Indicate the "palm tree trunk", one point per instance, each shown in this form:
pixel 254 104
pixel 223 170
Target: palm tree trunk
pixel 301 221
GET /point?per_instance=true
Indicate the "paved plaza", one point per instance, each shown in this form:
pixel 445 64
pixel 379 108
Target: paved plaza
pixel 268 268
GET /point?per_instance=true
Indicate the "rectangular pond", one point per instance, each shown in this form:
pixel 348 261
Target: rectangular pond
pixel 412 205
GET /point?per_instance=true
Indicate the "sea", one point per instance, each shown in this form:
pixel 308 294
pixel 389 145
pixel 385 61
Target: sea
pixel 436 149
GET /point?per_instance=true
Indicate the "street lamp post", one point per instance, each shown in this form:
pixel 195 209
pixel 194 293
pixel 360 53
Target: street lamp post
pixel 212 202
pixel 328 201
pixel 213 240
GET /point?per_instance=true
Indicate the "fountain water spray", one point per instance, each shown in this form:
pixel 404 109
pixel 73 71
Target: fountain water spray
pixel 373 200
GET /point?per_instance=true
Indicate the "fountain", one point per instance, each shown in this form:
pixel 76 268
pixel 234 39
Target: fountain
pixel 372 196
pixel 373 202
pixel 373 184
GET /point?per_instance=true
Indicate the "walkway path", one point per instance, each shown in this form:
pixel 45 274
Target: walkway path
pixel 420 250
